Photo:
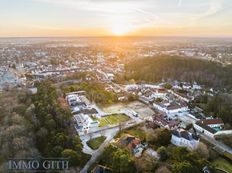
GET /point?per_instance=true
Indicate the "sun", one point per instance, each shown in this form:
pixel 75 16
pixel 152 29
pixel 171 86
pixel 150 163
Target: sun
pixel 120 29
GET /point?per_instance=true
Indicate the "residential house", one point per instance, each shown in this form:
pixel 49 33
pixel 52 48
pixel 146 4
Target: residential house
pixel 171 107
pixel 84 123
pixel 133 144
pixel 184 138
pixel 163 121
pixel 209 126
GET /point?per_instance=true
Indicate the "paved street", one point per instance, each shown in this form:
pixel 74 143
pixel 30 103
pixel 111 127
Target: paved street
pixel 109 133
pixel 217 144
pixel 99 151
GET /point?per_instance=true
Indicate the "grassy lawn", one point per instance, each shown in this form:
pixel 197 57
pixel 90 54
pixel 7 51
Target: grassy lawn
pixel 134 131
pixel 96 142
pixel 113 119
pixel 223 164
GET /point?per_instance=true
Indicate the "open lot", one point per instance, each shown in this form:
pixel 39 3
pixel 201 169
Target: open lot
pixel 142 109
pixel 113 119
pixel 136 131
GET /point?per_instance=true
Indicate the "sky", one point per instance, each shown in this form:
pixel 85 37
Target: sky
pixel 35 18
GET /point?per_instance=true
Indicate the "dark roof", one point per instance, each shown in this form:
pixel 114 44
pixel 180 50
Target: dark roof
pixel 127 140
pixel 77 104
pixel 101 169
pixel 173 106
pixel 185 134
pixel 160 118
pixel 176 133
pixel 88 111
pixel 196 137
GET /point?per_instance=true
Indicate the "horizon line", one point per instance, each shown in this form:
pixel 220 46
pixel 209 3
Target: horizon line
pixel 125 36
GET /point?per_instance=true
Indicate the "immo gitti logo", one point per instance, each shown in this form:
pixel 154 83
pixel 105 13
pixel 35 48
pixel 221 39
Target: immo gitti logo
pixel 51 164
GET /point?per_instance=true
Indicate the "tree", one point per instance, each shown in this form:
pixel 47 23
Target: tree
pixel 123 162
pixel 183 167
pixel 132 97
pixel 162 151
pixel 119 160
pixel 60 139
pixel 77 143
pixel 73 156
pixel 154 69
pixel 57 150
pixel 162 169
pixel 179 153
pixel 146 163
pixel 160 137
pixel 164 136
pixel 202 150
pixel 189 126
pixel 132 81
pixel 167 86
pixel 159 100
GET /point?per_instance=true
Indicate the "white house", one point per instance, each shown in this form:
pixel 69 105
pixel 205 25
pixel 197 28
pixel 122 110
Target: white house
pixel 131 87
pixel 110 76
pixel 84 122
pixel 160 93
pixel 214 123
pixel 209 126
pixel 170 108
pixel 185 139
pixel 73 99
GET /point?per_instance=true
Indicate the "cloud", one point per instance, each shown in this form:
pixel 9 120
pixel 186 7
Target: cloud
pixel 214 7
pixel 146 12
pixel 179 3
pixel 130 10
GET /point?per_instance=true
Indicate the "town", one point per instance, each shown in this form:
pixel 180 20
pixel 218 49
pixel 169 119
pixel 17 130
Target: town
pixel 145 118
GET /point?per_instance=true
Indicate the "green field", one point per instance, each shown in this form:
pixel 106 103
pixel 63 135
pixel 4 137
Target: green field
pixel 96 142
pixel 113 119
pixel 223 164
pixel 134 131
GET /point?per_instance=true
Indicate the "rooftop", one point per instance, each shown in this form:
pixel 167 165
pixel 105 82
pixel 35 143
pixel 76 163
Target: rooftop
pixel 185 134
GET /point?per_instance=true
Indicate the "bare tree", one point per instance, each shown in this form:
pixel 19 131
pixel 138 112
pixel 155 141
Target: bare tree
pixel 203 151
pixel 163 169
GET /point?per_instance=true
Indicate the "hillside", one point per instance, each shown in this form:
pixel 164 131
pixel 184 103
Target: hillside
pixel 155 69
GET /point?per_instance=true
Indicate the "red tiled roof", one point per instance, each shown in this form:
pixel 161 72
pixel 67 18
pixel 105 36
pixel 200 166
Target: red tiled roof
pixel 161 90
pixel 212 121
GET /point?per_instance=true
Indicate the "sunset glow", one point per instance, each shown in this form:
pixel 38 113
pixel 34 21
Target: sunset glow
pixel 117 18
pixel 120 27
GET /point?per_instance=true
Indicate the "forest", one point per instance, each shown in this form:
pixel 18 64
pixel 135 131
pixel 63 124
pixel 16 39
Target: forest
pixel 37 126
pixel 159 68
pixel 95 92
pixel 217 106
pixel 172 159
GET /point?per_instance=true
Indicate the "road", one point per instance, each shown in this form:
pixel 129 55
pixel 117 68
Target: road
pixel 217 144
pixel 109 133
pixel 67 82
pixel 98 152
